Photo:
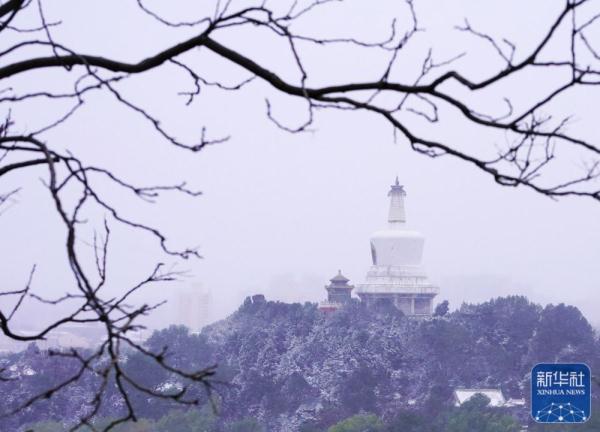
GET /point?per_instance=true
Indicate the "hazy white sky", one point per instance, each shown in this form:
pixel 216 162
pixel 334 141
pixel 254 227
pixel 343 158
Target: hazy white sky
pixel 282 213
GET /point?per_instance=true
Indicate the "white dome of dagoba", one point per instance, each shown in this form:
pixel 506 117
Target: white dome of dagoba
pixel 396 273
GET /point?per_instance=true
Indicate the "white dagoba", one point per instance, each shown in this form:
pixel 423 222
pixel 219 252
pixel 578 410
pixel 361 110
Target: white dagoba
pixel 396 274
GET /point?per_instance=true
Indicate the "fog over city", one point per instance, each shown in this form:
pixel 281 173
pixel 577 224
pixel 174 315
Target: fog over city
pixel 280 213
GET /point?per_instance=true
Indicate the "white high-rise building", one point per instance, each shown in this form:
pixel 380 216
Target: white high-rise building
pixel 396 273
pixel 193 307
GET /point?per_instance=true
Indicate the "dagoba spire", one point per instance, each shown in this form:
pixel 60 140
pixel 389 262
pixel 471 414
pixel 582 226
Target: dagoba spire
pixel 397 214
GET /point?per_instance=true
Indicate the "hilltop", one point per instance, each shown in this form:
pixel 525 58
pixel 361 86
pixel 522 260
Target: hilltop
pixel 292 367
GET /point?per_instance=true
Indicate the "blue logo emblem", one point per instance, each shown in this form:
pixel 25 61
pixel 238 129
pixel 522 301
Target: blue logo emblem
pixel 561 393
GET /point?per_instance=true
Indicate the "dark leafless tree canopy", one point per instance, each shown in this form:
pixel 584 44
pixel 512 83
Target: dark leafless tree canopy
pixel 537 141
